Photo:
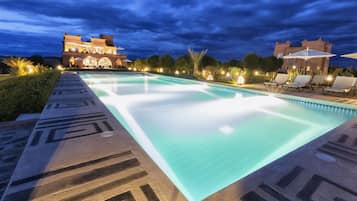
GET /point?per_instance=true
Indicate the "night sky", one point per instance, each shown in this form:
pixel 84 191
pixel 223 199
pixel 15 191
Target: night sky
pixel 228 29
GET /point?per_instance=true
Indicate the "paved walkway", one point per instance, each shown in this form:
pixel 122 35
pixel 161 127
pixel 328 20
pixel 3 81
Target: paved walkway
pixel 78 151
pixel 13 138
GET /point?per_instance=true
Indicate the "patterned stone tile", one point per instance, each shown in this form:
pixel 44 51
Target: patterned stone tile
pixel 13 138
pixel 78 151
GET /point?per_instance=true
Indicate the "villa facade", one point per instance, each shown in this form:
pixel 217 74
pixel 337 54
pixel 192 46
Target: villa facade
pixel 96 53
pixel 312 66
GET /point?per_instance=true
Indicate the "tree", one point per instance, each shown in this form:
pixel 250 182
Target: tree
pixel 209 61
pixel 153 61
pixel 271 64
pixel 139 64
pixel 37 59
pixel 183 63
pixel 166 61
pixel 18 65
pixel 4 68
pixel 196 59
pixel 252 61
pixel 233 63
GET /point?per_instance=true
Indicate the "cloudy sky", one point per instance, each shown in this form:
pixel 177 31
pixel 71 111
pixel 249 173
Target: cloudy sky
pixel 227 28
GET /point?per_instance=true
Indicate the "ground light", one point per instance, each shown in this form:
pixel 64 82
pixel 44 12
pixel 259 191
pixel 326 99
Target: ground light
pixel 59 67
pixel 30 69
pixel 240 80
pixel 209 77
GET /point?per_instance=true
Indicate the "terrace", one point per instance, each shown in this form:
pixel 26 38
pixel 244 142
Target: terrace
pixel 77 150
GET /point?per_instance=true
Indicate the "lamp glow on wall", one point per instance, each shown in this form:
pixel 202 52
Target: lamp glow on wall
pixel 177 72
pixel 329 79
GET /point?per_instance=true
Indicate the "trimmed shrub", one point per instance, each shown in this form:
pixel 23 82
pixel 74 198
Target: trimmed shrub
pixel 26 94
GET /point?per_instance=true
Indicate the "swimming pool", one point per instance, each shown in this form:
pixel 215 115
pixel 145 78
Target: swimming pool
pixel 205 136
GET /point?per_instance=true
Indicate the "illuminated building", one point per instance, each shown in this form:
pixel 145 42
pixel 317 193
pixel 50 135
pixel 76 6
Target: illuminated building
pixel 315 65
pixel 96 53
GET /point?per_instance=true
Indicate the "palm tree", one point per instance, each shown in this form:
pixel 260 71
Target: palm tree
pixel 196 59
pixel 19 66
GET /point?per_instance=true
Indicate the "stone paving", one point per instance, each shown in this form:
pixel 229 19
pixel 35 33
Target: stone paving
pixel 13 139
pixel 78 151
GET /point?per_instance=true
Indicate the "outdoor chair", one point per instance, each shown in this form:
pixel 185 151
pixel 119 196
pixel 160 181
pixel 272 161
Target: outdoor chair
pixel 280 79
pixel 342 85
pixel 318 81
pixel 300 81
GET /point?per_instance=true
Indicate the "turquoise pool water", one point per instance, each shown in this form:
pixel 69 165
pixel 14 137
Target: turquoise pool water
pixel 205 137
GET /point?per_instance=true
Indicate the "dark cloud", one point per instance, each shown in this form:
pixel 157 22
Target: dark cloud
pixel 227 28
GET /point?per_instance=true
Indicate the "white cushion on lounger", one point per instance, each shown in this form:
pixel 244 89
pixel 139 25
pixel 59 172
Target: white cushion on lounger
pixel 300 81
pixel 318 80
pixel 342 84
pixel 279 79
pixel 337 90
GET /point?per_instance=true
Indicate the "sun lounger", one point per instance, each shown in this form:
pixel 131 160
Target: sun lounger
pixel 280 79
pixel 299 82
pixel 342 85
pixel 318 80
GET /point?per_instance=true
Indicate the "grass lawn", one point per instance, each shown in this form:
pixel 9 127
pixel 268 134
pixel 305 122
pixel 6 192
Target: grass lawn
pixel 5 77
pixel 25 94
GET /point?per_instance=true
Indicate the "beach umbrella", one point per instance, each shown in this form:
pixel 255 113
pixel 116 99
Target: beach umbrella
pixel 351 56
pixel 307 54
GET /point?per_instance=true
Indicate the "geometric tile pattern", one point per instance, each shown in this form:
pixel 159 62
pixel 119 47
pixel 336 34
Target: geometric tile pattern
pixel 69 127
pixel 87 176
pixel 12 142
pixel 340 150
pixel 70 103
pixel 78 91
pixel 72 113
pixel 314 186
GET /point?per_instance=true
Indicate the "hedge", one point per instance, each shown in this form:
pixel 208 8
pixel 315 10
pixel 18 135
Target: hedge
pixel 25 94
